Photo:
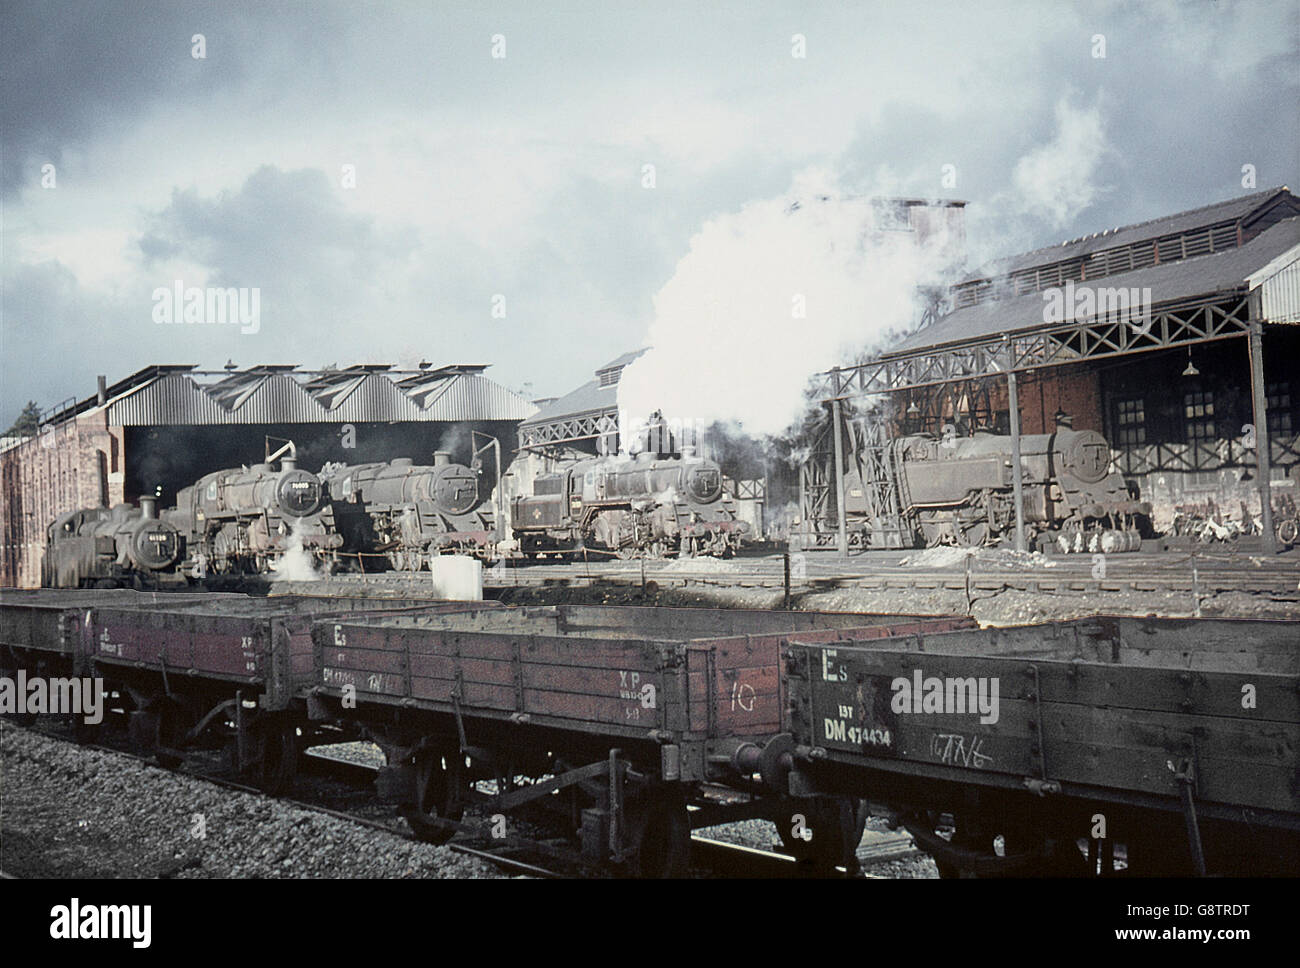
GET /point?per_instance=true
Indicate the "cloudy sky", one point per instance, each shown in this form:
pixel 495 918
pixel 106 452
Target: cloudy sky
pixel 519 181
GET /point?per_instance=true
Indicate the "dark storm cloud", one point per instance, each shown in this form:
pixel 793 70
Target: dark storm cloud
pixel 69 71
pixel 521 176
pixel 279 227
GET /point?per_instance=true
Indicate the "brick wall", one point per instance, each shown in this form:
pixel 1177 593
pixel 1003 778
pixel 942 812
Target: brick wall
pixel 1073 389
pixel 77 464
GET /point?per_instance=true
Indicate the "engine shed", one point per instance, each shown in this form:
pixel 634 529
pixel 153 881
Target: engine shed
pixel 164 427
pixel 1175 338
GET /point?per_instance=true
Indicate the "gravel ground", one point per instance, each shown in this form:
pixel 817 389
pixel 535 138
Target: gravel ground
pixel 365 754
pixel 762 835
pixel 1004 608
pixel 66 811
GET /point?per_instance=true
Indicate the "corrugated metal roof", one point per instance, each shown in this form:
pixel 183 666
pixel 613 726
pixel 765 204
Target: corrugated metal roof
pixel 1279 287
pixel 591 397
pixel 1169 283
pixel 357 395
pixel 1227 211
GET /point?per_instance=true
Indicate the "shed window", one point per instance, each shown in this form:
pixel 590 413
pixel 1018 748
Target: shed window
pixel 1130 423
pixel 1198 416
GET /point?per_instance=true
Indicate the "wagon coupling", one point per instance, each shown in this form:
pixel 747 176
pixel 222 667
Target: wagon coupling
pixel 773 761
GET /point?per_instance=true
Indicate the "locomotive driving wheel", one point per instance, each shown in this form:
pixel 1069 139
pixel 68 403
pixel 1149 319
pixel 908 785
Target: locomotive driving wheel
pixel 971 535
pixel 441 785
pixel 223 553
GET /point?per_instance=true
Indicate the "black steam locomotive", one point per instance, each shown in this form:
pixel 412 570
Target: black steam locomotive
pixel 106 547
pixel 922 491
pixel 659 503
pixel 245 518
pixel 407 512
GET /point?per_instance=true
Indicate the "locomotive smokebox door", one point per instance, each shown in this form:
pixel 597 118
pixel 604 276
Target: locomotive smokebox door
pixel 1087 456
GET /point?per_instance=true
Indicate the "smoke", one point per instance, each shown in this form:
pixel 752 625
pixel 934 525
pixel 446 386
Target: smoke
pixel 1056 181
pixel 457 441
pixel 772 294
pixel 1051 185
pixel 296 563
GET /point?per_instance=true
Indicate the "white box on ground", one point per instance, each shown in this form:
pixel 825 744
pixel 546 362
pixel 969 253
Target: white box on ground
pixel 457 578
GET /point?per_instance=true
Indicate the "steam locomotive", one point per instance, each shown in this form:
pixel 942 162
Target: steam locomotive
pixel 105 547
pixel 661 502
pixel 244 518
pixel 921 491
pixel 407 512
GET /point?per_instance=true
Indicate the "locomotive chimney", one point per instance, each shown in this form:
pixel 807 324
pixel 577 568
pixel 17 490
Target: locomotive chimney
pixel 149 507
pixel 441 458
pixel 288 463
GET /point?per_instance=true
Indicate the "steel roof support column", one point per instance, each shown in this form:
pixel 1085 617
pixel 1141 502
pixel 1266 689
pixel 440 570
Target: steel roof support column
pixel 1017 472
pixel 839 464
pixel 1263 470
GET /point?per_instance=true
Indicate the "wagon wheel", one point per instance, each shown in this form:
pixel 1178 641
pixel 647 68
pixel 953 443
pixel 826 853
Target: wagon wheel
pixel 84 732
pixel 1029 851
pixel 440 788
pixel 836 824
pixel 275 752
pixel 660 837
pixel 157 730
pixel 171 733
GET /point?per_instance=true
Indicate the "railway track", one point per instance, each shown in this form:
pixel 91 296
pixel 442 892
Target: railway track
pixel 710 857
pixel 1200 577
pixel 739 860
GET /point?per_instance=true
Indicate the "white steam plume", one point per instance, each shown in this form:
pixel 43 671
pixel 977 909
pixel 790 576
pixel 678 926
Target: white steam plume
pixel 1056 181
pixel 768 296
pixel 296 563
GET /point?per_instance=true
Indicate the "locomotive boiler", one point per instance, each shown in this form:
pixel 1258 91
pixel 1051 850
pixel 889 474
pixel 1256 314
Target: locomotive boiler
pixel 108 547
pixel 651 505
pixel 921 490
pixel 244 519
pixel 407 512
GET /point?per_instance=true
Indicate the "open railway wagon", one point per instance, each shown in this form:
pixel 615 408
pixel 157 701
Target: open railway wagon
pixel 635 725
pixel 189 670
pixel 1159 746
pixel 43 632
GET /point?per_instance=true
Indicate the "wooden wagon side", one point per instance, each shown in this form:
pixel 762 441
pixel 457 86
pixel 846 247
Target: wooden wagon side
pixel 1077 729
